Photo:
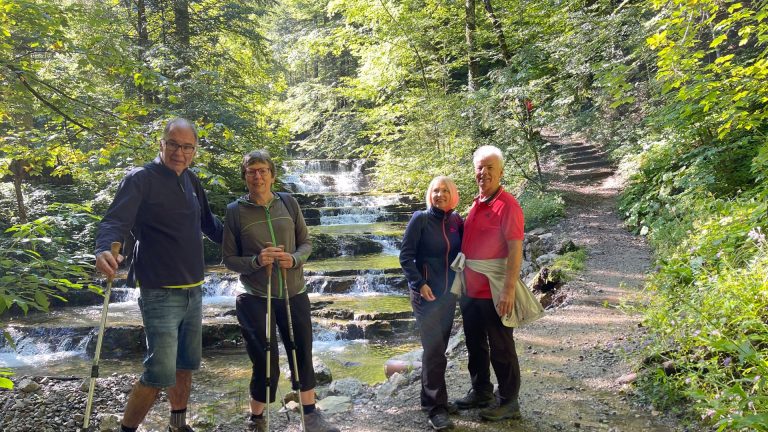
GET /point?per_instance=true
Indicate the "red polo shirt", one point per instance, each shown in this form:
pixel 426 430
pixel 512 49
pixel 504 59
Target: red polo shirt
pixel 487 229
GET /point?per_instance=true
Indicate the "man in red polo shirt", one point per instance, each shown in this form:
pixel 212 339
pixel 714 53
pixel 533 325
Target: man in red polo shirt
pixel 493 230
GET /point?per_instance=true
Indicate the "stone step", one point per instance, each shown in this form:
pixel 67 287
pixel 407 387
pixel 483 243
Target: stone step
pixel 588 165
pixel 590 175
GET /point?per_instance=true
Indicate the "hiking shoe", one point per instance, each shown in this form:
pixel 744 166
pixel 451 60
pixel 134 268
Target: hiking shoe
pixel 255 425
pixel 450 407
pixel 510 410
pixel 185 428
pixel 440 421
pixel 474 400
pixel 314 422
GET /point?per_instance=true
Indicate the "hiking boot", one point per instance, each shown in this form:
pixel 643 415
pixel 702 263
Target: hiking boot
pixel 450 407
pixel 314 422
pixel 185 428
pixel 440 421
pixel 510 410
pixel 474 400
pixel 255 425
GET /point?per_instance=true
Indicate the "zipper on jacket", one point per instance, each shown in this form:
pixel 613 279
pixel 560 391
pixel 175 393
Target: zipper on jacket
pixel 274 243
pixel 447 255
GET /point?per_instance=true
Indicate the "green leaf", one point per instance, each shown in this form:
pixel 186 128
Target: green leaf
pixel 718 40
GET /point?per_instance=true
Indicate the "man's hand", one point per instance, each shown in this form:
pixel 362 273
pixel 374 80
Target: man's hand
pixel 426 293
pixel 107 263
pixel 506 301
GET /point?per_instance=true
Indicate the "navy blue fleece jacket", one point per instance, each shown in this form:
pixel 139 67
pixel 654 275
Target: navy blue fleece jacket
pixel 167 214
pixel 431 241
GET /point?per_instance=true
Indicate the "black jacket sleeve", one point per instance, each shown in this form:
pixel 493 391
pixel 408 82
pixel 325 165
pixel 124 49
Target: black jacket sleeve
pixel 210 225
pixel 410 248
pixel 121 215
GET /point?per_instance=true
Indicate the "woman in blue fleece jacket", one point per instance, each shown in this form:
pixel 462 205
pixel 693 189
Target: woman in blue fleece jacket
pixel 431 241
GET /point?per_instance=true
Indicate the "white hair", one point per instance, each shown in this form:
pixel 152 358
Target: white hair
pixel 487 150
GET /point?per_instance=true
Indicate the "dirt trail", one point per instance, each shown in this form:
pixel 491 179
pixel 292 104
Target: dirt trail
pixel 571 359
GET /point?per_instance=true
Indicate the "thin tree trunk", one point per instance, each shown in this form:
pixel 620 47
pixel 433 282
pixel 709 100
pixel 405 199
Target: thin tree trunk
pixel 17 168
pixel 473 66
pixel 498 30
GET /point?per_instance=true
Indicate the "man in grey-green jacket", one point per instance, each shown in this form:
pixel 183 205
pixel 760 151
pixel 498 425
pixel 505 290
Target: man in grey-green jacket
pixel 266 229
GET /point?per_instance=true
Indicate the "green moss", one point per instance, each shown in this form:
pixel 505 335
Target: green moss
pixel 380 228
pixel 363 262
pixel 358 304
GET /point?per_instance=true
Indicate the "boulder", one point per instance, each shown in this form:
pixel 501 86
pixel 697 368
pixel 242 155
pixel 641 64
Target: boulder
pixel 27 385
pixel 335 404
pixel 350 387
pixel 323 373
pixel 566 246
pixel 387 389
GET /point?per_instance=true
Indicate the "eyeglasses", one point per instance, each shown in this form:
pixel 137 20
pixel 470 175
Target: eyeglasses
pixel 185 148
pixel 251 172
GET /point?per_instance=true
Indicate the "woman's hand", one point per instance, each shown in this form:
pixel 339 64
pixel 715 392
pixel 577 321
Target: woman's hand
pixel 426 293
pixel 284 260
pixel 269 255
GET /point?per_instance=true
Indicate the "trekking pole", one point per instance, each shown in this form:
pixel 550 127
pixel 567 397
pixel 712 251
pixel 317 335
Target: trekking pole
pixel 269 334
pixel 295 380
pixel 115 250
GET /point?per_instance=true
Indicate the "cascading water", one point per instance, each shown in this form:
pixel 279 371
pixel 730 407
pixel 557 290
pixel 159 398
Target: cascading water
pixel 336 198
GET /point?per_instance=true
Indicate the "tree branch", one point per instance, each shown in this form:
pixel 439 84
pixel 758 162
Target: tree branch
pixel 46 102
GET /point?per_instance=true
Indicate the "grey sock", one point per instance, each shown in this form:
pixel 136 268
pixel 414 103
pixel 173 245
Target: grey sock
pixel 178 418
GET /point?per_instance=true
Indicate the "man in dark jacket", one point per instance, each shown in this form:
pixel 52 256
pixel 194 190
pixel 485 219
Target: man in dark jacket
pixel 164 207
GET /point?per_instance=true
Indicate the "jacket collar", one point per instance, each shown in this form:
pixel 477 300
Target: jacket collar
pixel 164 170
pixel 434 211
pixel 491 199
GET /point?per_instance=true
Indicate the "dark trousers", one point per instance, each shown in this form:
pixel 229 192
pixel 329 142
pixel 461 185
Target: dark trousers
pixel 434 320
pixel 489 342
pixel 251 314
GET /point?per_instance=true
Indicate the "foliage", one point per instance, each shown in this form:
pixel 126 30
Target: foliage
pixel 541 208
pixel 709 316
pixel 35 262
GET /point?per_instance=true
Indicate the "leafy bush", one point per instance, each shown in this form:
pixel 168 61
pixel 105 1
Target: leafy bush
pixel 709 315
pixel 35 264
pixel 541 208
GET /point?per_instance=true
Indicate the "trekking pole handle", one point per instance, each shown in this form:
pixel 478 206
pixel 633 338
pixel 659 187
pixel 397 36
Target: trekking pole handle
pixel 115 251
pixel 268 266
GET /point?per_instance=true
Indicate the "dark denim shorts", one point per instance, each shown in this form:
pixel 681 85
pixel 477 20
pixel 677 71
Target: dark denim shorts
pixel 173 327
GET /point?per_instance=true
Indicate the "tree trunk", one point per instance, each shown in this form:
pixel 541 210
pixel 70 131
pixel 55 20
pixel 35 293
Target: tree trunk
pixel 17 168
pixel 141 27
pixel 181 22
pixel 498 30
pixel 473 67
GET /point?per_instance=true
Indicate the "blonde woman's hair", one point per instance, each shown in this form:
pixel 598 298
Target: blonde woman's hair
pixel 451 188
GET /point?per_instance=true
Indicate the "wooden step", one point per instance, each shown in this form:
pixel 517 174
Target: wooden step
pixel 577 149
pixel 590 175
pixel 601 163
pixel 585 158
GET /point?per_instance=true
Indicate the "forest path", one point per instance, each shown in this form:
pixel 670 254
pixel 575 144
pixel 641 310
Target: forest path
pixel 571 360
